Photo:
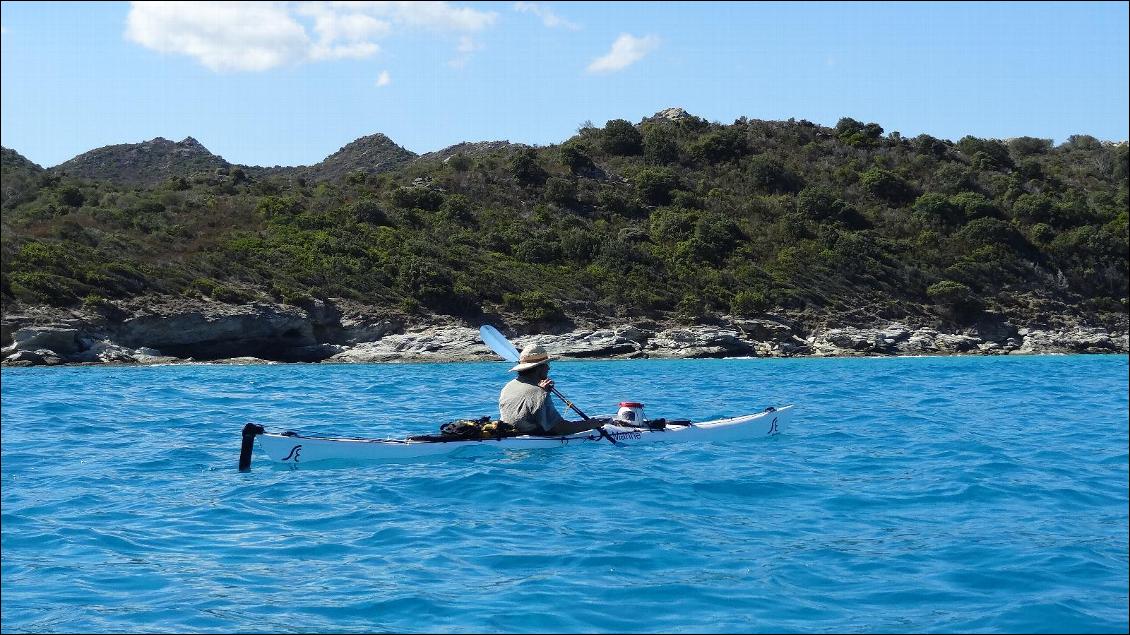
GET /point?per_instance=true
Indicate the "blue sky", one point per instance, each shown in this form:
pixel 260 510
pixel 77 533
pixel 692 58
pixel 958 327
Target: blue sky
pixel 290 83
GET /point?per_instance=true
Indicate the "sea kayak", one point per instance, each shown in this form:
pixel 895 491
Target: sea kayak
pixel 297 449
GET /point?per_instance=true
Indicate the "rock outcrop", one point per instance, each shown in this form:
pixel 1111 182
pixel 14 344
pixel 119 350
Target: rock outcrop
pixel 372 154
pixel 470 150
pixel 175 330
pixel 218 330
pixel 452 343
pixel 699 341
pixel 146 163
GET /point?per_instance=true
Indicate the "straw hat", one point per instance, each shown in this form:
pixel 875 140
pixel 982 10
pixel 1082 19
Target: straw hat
pixel 533 355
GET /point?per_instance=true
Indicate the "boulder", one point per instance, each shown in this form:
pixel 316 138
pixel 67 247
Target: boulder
pixel 358 329
pixel 219 330
pixel 106 352
pixel 920 342
pixel 1079 339
pixel 765 330
pixel 993 328
pixel 850 340
pixel 242 361
pixel 451 343
pixel 40 357
pixel 600 343
pixel 951 343
pixel 323 313
pixel 699 341
pixel 60 340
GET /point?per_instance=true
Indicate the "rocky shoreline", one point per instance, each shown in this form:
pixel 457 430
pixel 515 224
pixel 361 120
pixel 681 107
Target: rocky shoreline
pixel 180 330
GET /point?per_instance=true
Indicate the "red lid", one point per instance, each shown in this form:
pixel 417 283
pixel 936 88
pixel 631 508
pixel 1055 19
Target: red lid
pixel 631 404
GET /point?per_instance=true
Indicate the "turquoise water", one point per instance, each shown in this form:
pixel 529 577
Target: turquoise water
pixel 927 494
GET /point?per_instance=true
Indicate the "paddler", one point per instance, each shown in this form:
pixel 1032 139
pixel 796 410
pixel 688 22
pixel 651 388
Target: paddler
pixel 525 403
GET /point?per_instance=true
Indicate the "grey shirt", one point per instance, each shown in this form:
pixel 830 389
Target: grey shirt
pixel 526 405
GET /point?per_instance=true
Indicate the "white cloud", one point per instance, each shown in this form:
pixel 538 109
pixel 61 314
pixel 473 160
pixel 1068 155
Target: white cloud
pixel 239 36
pixel 384 79
pixel 548 17
pixel 257 36
pixel 332 25
pixel 467 45
pixel 431 15
pixel 626 50
pixel 356 50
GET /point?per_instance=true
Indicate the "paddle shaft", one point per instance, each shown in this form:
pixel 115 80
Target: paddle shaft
pixel 599 428
pixel 570 403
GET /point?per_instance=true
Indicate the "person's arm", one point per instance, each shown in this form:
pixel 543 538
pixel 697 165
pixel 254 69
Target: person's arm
pixel 546 415
pixel 552 417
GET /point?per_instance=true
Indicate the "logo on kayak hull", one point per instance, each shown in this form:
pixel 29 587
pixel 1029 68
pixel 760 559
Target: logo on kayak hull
pixel 773 427
pixel 294 453
pixel 630 434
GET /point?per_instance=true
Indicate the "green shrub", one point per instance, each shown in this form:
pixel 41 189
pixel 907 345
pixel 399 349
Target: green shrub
pixel 560 191
pixel 574 158
pixel 887 185
pixel 721 145
pixel 1029 146
pixel 929 146
pixel 621 138
pixel 749 303
pixel 691 309
pixel 654 185
pixel 94 301
pixel 416 198
pixel 974 206
pixel 659 145
pixel 459 162
pixel 670 224
pixel 990 231
pixel 1042 233
pixel 769 175
pixel 270 207
pixel 954 296
pixel 994 153
pixel 938 208
pixel 1034 208
pixel 854 132
pixel 48 288
pixel 368 211
pixel 458 208
pixel 718 236
pixel 533 306
pixel 71 196
pixel 616 202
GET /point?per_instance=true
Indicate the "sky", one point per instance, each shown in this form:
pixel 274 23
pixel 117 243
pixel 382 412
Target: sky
pixel 290 83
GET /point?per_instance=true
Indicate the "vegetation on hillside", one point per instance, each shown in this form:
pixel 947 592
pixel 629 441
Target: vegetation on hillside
pixel 680 218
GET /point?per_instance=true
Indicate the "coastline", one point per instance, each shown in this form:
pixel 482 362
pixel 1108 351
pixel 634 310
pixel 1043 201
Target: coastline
pixel 154 331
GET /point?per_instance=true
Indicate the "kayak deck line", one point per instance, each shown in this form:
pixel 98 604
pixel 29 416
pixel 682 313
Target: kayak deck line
pixel 294 448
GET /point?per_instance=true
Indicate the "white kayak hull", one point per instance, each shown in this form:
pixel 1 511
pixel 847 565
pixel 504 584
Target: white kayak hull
pixel 297 449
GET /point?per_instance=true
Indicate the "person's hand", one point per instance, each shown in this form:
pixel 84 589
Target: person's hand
pixel 546 384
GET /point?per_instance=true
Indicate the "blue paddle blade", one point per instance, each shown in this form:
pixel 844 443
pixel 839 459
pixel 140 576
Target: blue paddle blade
pixel 498 343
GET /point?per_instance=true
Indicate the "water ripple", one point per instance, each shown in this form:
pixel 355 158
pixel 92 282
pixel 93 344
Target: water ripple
pixel 926 494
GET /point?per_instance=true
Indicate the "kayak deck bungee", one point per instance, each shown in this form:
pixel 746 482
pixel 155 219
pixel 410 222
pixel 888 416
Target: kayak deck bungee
pixel 295 449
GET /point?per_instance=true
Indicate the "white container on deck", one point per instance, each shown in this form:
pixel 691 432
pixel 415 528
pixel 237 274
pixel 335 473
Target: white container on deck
pixel 631 412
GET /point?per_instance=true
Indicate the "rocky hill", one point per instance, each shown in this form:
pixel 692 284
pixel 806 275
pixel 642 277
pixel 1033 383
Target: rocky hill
pixel 373 154
pixel 12 162
pixel 18 176
pixel 147 163
pixel 469 150
pixel 667 223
